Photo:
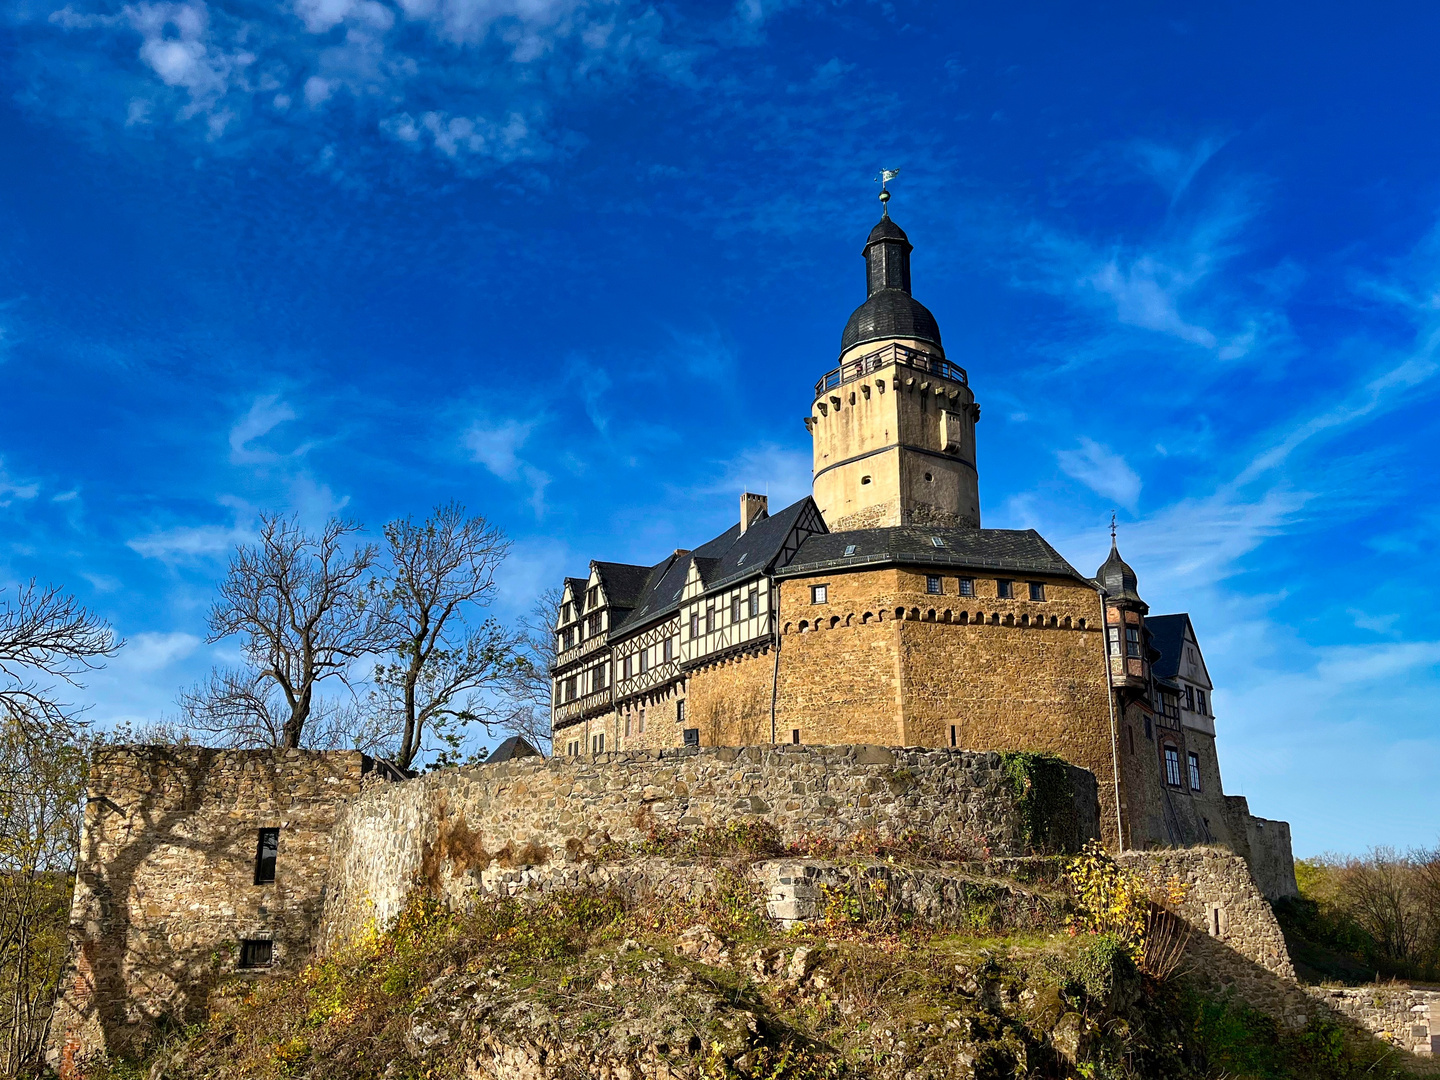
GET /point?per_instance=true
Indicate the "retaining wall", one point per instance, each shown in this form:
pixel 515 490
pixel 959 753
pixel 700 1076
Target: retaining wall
pixel 449 829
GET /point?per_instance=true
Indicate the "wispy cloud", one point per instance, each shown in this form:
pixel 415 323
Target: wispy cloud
pixel 265 414
pixel 197 543
pixel 497 446
pixel 1103 471
pixel 1174 167
pixel 12 489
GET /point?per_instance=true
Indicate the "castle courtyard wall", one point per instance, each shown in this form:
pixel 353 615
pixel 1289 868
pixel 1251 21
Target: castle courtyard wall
pixel 165 889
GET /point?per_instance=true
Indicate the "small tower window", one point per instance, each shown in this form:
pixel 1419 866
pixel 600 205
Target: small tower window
pixel 1132 641
pixel 932 584
pixel 1037 590
pixel 1005 590
pixel 952 734
pixel 680 711
pixel 819 594
pixel 864 480
pixel 928 478
pixel 754 602
pixel 266 851
pixel 967 586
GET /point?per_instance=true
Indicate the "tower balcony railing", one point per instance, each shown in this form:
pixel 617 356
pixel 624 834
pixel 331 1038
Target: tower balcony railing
pixel 891 354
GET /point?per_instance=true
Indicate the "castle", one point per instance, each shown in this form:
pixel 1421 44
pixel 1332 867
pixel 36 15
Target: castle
pixel 850 664
pixel 877 610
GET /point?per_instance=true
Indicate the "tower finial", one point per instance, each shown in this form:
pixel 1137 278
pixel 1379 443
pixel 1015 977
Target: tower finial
pixel 886 175
pixel 1112 528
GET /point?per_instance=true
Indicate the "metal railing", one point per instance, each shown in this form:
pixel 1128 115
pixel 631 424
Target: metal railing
pixel 891 354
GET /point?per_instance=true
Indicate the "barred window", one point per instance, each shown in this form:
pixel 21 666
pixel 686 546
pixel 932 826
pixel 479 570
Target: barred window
pixel 257 954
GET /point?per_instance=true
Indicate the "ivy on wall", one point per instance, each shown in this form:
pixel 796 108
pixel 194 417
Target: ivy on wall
pixel 1045 795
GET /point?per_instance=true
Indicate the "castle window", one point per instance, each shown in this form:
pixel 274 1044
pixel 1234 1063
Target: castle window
pixel 864 480
pixel 573 748
pixel 565 612
pixel 952 734
pixel 795 736
pixel 594 624
pixel 627 725
pixel 1005 590
pixel 1037 590
pixel 1200 703
pixel 710 619
pixel 819 594
pixel 754 602
pixel 257 954
pixel 691 736
pixel 967 586
pixel 735 608
pixel 680 711
pixel 1190 698
pixel 669 649
pixel 597 744
pixel 932 584
pixel 1194 771
pixel 928 478
pixel 937 542
pixel 1132 641
pixel 1114 635
pixel 1130 738
pixel 266 850
pixel 628 668
pixel 1149 731
pixel 642 719
pixel 569 637
pixel 1172 766
pixel 694 624
pixel 592 597
pixel 644 661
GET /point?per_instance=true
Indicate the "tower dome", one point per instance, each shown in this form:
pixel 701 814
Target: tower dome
pixel 889 311
pixel 1119 580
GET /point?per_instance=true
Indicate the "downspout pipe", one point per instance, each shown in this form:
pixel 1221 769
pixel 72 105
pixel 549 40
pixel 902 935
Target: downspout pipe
pixel 1114 724
pixel 775 679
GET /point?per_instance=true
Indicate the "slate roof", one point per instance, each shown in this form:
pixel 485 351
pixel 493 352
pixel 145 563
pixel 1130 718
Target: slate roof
pixel 1167 637
pixel 721 560
pixel 511 748
pixel 623 583
pixel 1016 551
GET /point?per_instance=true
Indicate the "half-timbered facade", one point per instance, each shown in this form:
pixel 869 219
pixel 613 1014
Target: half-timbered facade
pixel 631 638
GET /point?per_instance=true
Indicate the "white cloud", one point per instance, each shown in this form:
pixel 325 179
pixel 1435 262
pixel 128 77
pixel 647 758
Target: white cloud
pixel 1174 168
pixel 458 137
pixel 1146 292
pixel 265 414
pixel 189 542
pixel 497 448
pixel 176 43
pixel 12 489
pixel 766 469
pixel 148 652
pixel 1103 471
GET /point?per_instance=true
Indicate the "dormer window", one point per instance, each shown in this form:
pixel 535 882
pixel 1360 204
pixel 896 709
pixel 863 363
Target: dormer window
pixel 741 561
pixel 937 541
pixel 849 549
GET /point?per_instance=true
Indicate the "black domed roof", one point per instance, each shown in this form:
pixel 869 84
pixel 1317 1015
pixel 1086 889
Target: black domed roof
pixel 1119 580
pixel 889 311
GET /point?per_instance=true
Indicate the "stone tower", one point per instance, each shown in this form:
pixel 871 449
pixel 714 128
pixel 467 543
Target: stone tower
pixel 894 425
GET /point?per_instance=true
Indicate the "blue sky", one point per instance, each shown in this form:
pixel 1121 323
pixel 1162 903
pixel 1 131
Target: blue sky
pixel 577 263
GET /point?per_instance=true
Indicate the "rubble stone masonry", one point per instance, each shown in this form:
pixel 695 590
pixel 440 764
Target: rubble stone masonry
pixel 166 891
pixel 448 830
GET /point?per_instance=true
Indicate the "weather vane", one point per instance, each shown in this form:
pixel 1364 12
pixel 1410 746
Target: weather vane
pixel 1112 526
pixel 886 175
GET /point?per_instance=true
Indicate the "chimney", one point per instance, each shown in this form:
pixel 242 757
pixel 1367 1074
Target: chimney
pixel 752 509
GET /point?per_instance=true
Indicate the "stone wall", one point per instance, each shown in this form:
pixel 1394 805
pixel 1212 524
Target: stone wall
pixel 449 830
pixel 166 888
pixel 1271 860
pixel 1401 1015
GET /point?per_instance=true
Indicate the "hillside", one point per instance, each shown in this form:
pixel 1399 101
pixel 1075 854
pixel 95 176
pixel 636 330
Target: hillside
pixel 590 983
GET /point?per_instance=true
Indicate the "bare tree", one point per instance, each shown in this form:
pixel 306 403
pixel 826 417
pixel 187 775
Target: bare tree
pixel 46 636
pixel 304 610
pixel 530 688
pixel 444 672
